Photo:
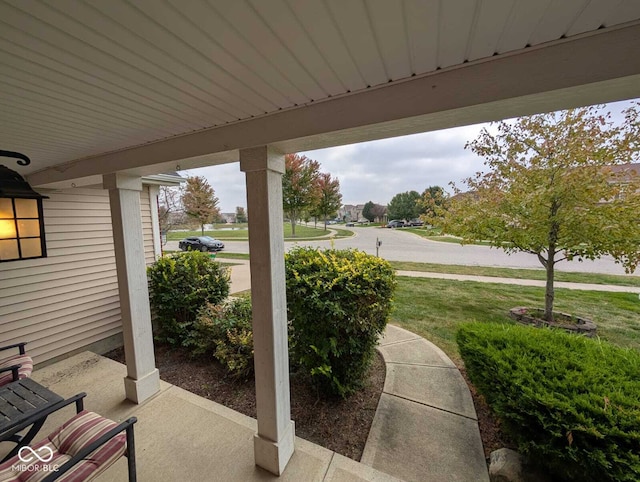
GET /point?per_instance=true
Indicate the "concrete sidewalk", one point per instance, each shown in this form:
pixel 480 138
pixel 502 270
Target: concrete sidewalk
pixel 241 279
pixel 425 427
pixel 520 282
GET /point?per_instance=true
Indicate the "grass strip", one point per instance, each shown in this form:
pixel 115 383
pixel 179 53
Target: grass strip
pixel 435 309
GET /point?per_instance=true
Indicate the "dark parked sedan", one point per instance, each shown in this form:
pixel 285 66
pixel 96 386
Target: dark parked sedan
pixel 201 243
pixel 395 223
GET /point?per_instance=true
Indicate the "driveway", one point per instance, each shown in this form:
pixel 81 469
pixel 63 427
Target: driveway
pixel 399 245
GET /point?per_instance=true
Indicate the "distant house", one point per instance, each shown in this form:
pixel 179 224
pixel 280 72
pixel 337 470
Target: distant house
pixel 229 218
pixel 350 212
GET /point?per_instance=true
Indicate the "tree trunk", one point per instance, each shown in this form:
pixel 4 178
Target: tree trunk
pixel 202 228
pixel 293 225
pixel 549 292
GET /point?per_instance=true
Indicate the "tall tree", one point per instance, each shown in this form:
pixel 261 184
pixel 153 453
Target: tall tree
pixel 329 198
pixel 367 211
pixel 299 186
pixel 199 201
pixel 241 215
pixel 404 206
pixel 556 188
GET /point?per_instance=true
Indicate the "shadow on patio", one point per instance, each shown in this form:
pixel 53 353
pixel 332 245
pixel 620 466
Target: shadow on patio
pixel 181 436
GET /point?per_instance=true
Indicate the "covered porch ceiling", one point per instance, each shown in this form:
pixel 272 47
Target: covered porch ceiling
pixel 92 87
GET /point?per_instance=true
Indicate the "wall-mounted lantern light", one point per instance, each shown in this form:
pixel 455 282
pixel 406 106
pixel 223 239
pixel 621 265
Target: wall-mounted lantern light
pixel 21 215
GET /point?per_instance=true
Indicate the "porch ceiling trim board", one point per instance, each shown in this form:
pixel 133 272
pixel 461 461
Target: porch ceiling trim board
pixel 552 76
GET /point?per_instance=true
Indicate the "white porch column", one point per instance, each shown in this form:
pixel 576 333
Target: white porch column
pixel 143 378
pixel 274 442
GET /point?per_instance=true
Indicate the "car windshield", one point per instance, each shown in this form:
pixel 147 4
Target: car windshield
pixel 206 238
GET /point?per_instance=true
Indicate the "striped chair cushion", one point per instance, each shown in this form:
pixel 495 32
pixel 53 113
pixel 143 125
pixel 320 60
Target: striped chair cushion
pixel 64 443
pixel 26 367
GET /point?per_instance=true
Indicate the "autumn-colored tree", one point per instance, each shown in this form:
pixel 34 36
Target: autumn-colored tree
pixel 241 215
pixel 199 201
pixel 379 211
pixel 557 187
pixel 299 186
pixel 328 199
pixel 434 202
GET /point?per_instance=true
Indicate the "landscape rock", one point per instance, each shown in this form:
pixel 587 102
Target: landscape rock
pixel 507 465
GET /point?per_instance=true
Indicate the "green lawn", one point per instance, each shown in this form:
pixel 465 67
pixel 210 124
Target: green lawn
pixel 240 233
pixel 302 233
pixel 435 234
pixel 537 274
pixel 435 309
pixel 232 255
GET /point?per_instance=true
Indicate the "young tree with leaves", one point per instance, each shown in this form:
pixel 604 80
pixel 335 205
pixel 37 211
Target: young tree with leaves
pixel 299 186
pixel 557 188
pixel 199 201
pixel 241 215
pixel 434 203
pixel 329 198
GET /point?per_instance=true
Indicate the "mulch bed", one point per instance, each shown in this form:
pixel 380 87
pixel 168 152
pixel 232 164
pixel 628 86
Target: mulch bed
pixel 339 425
pixel 491 433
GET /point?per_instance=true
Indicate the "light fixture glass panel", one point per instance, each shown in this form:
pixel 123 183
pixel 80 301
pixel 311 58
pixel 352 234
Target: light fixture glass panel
pixel 8 249
pixel 28 228
pixel 26 208
pixel 6 208
pixel 8 229
pixel 31 248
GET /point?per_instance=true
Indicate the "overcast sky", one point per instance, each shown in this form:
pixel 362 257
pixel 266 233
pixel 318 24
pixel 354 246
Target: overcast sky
pixel 377 170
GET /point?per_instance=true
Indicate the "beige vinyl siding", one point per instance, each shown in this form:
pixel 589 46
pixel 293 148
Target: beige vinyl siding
pixel 147 228
pixel 69 299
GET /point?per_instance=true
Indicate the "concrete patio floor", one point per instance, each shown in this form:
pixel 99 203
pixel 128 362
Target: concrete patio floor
pixel 181 436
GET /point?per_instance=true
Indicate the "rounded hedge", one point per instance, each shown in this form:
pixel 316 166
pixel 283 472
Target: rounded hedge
pixel 338 303
pixel 179 285
pixel 571 403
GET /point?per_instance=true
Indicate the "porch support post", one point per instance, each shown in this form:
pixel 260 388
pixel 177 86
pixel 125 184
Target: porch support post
pixel 143 378
pixel 274 442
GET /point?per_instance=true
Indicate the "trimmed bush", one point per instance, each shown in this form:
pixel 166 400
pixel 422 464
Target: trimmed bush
pixel 338 303
pixel 571 403
pixel 225 331
pixel 180 284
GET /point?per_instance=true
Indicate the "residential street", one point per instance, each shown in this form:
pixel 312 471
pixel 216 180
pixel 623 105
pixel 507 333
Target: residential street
pixel 399 245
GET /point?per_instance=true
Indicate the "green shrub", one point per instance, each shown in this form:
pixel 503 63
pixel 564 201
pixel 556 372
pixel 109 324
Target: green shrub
pixel 180 284
pixel 338 303
pixel 571 403
pixel 225 331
